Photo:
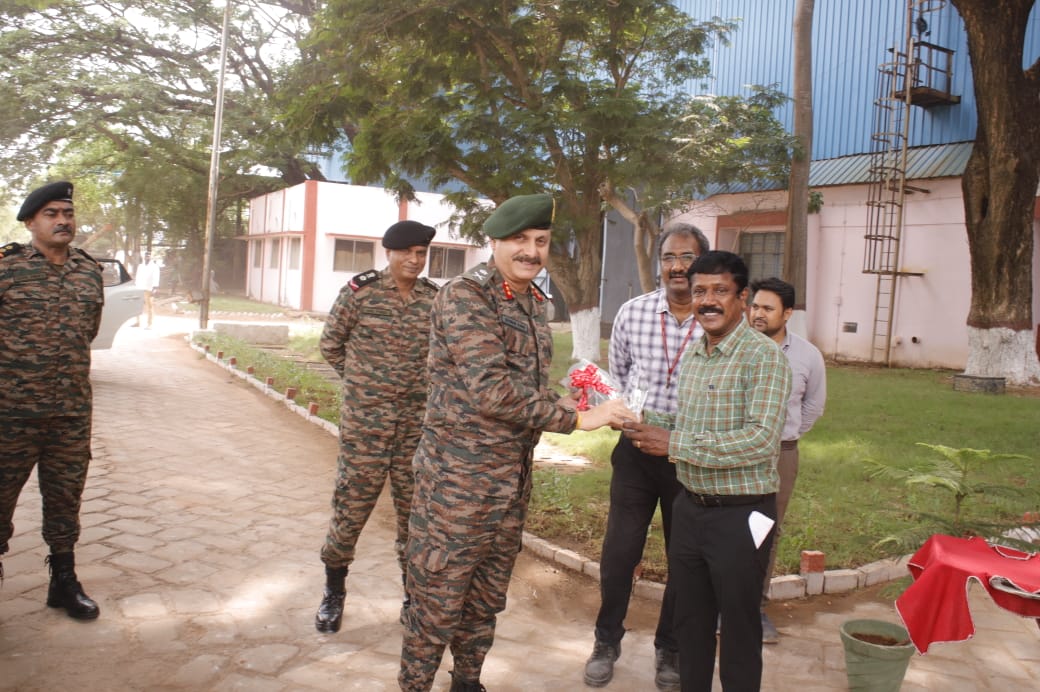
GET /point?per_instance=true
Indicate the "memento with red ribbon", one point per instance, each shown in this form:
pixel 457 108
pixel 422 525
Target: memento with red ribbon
pixel 596 385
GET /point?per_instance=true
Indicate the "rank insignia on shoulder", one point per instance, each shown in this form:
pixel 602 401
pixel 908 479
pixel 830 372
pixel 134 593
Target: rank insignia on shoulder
pixel 538 294
pixel 363 279
pixel 479 274
pixel 10 249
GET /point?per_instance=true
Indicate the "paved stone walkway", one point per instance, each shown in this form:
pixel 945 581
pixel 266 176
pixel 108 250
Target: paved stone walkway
pixel 204 512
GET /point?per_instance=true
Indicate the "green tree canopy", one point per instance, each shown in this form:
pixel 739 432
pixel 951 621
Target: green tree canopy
pixel 508 98
pixel 119 95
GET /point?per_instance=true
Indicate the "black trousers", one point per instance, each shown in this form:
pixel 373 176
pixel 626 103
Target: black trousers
pixel 639 482
pixel 716 570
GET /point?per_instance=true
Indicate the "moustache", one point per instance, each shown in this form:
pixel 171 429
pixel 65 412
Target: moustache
pixel 708 310
pixel 526 258
pixel 678 275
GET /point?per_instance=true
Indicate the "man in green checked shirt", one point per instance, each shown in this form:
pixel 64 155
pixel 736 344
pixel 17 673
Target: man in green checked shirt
pixel 734 384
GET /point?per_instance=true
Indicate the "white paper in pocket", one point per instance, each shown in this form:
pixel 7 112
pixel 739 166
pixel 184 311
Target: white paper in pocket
pixel 760 526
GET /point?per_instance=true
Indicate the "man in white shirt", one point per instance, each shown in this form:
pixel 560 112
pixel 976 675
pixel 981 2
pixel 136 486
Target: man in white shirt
pixel 772 305
pixel 648 339
pixel 148 279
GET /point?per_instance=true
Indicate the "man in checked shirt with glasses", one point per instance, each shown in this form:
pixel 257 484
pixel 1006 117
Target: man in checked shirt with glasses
pixel 650 333
pixel 734 384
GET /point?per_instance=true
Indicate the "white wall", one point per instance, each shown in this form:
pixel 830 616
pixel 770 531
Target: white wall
pixel 342 211
pixel 347 210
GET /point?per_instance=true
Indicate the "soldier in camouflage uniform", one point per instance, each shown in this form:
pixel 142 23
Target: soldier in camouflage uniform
pixel 376 337
pixel 50 307
pixel 490 350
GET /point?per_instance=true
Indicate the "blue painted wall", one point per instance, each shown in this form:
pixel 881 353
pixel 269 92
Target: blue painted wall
pixel 851 39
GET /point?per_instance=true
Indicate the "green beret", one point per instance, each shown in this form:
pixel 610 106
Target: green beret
pixel 404 234
pixel 520 213
pixel 52 192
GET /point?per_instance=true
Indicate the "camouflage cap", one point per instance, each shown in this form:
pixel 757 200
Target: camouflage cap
pixel 404 234
pixel 36 200
pixel 520 213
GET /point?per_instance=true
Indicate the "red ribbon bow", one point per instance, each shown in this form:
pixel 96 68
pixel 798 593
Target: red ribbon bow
pixel 588 378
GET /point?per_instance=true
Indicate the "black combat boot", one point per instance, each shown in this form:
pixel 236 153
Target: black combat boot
pixel 65 590
pixel 460 685
pixel 330 612
pixel 599 669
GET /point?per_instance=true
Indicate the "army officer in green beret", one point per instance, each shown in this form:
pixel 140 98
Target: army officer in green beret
pixel 489 401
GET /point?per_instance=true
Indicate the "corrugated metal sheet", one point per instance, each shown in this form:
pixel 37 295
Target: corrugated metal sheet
pixel 851 38
pixel 938 161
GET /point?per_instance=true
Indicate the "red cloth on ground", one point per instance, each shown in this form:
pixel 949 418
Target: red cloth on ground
pixel 935 607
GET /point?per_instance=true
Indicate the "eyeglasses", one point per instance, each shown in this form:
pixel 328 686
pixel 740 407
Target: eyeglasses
pixel 686 257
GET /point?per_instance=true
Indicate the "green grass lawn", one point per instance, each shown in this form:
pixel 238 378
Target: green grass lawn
pixel 838 508
pixel 230 303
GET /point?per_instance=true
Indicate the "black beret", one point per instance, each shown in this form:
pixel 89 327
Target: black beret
pixel 36 200
pixel 404 234
pixel 520 213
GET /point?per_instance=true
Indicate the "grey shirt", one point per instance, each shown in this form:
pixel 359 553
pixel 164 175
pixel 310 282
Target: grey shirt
pixel 808 386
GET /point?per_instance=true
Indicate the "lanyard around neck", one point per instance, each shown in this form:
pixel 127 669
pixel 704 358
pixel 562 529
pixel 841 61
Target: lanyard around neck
pixel 673 364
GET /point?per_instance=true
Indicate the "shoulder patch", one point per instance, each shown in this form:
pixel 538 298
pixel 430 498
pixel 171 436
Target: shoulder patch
pixel 10 249
pixel 480 274
pixel 430 284
pixel 363 279
pixel 85 254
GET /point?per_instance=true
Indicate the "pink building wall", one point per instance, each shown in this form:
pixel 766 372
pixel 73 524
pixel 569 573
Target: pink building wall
pixel 928 324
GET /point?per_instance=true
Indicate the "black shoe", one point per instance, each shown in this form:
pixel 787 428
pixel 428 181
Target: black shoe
pixel 666 665
pixel 330 612
pixel 66 592
pixel 599 669
pixel 460 685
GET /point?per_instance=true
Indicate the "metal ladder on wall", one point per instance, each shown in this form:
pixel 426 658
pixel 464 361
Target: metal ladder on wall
pixel 888 186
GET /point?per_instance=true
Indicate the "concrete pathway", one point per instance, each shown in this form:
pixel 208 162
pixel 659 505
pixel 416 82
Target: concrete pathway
pixel 204 512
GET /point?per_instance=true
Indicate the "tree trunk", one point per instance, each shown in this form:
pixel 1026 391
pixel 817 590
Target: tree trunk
pixel 585 332
pixel 999 186
pixel 798 186
pixel 579 281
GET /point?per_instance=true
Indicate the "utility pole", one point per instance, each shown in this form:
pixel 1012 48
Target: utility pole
pixel 214 172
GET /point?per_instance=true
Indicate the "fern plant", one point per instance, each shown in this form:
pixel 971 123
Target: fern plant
pixel 951 471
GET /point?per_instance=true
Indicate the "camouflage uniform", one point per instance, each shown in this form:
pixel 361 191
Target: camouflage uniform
pixel 489 401
pixel 50 314
pixel 378 344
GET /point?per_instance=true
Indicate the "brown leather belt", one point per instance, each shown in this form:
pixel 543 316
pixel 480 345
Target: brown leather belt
pixel 789 444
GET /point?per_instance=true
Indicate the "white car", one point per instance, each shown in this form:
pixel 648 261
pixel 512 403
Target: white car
pixel 123 300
